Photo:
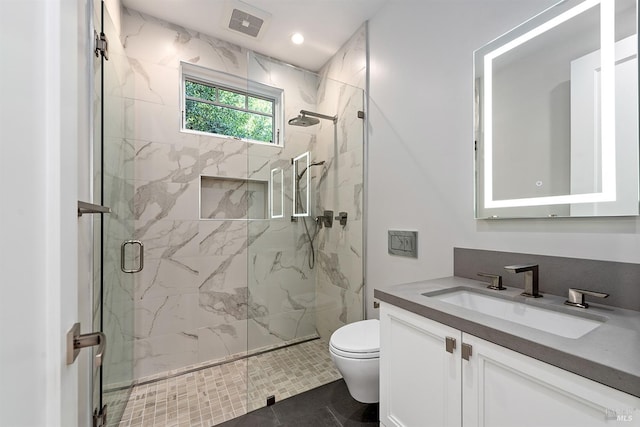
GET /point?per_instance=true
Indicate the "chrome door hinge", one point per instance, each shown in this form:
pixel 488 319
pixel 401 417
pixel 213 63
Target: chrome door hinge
pixel 101 45
pixel 100 418
pixel 467 351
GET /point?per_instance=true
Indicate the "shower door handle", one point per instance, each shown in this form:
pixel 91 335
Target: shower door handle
pixel 123 266
pixel 77 341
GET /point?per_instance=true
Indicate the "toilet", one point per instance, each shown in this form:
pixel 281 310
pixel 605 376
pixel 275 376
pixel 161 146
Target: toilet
pixel 355 350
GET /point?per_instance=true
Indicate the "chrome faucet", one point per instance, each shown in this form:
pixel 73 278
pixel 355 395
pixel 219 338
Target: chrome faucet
pixel 530 278
pixel 576 297
pixel 496 281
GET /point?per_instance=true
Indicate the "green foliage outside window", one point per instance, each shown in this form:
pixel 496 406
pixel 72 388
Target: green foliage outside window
pixel 227 112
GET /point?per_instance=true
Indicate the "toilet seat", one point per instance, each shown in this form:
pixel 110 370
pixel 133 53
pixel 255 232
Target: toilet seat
pixel 353 355
pixel 358 340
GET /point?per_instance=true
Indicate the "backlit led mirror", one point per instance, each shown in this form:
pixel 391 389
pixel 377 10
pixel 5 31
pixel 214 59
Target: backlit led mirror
pixel 556 114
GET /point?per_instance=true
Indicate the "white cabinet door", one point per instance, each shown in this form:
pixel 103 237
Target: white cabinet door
pixel 419 379
pixel 503 388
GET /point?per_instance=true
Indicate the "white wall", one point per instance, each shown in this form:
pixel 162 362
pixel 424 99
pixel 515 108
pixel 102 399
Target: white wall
pixel 39 133
pixel 421 147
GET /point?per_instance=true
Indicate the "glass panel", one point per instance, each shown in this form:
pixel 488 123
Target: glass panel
pixel 232 98
pixel 114 188
pixel 96 397
pixel 260 105
pixel 302 283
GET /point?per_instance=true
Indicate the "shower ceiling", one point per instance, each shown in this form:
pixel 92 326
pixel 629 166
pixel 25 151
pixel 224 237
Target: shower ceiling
pixel 325 24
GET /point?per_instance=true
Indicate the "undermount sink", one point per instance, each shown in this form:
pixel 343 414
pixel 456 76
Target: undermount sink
pixel 550 320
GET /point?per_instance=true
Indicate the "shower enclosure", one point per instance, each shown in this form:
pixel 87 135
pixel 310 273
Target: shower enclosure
pixel 228 276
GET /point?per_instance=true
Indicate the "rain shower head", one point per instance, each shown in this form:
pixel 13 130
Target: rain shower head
pixel 309 118
pixel 303 121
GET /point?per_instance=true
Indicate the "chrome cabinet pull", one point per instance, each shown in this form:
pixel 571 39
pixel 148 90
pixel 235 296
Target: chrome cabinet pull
pixel 449 344
pixel 123 267
pixel 77 341
pixel 467 351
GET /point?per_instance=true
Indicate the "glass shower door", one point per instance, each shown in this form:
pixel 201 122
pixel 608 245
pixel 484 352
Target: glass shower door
pixel 113 187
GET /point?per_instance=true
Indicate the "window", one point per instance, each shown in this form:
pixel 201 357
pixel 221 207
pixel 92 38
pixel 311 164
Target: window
pixel 222 104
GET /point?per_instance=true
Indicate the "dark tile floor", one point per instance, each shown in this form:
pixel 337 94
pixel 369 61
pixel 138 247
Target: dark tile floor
pixel 330 405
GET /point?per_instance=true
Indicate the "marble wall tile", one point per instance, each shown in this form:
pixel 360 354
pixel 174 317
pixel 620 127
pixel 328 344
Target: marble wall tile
pixel 222 272
pixel 166 162
pixel 117 364
pixel 218 237
pixel 349 64
pixel 223 340
pixel 220 307
pixel 116 125
pixel 267 151
pixel 120 290
pixel 169 238
pixel 289 325
pixel 259 335
pixel 330 317
pixel 153 83
pixel 156 122
pixel 166 277
pixel 165 352
pixel 157 200
pixel 223 157
pixel 152 40
pixel 118 157
pixel 300 86
pixel 171 314
pixel 259 168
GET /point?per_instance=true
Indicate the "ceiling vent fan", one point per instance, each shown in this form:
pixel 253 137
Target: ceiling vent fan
pixel 245 19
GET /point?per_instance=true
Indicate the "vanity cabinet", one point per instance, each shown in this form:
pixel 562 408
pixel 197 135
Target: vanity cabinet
pixel 426 381
pixel 419 379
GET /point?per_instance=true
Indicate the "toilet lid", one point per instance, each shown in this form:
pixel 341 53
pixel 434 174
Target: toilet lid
pixel 358 337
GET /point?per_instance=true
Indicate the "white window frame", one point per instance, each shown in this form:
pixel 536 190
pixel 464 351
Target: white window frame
pixel 229 81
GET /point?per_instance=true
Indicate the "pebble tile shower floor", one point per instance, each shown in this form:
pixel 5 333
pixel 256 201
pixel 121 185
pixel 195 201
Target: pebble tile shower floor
pixel 216 394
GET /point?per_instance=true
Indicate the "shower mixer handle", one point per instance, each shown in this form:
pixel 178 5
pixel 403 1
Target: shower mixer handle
pixel 327 219
pixel 342 218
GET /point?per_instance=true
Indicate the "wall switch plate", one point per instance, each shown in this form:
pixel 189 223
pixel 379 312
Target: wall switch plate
pixel 403 243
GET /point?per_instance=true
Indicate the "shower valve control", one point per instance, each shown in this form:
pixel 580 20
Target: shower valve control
pixel 342 218
pixel 327 219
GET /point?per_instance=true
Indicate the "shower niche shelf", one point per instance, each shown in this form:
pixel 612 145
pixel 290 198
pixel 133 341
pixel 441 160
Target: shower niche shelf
pixel 233 198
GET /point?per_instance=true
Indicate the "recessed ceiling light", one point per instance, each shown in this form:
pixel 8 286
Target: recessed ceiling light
pixel 297 38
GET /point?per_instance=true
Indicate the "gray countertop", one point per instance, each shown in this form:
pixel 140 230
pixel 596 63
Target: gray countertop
pixel 610 354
